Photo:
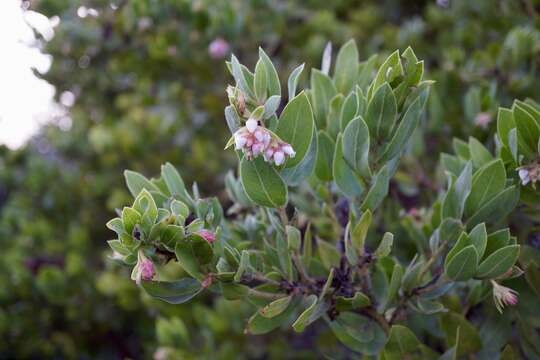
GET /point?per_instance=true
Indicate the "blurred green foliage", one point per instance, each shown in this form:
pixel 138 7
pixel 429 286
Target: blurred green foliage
pixel 147 91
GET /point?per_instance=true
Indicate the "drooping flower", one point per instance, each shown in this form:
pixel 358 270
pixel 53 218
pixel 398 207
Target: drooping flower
pixel 218 48
pixel 254 140
pixel 144 269
pixel 503 296
pixel 529 174
pixel 207 235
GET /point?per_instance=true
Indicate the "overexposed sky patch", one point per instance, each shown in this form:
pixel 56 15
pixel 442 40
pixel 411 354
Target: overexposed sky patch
pixel 25 100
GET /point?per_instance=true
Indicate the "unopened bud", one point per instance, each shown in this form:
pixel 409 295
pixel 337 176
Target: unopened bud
pixel 144 269
pixel 207 235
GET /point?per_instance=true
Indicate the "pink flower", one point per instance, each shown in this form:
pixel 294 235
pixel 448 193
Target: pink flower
pixel 254 140
pixel 144 269
pixel 503 295
pixel 482 120
pixel 207 281
pixel 207 235
pixel 218 48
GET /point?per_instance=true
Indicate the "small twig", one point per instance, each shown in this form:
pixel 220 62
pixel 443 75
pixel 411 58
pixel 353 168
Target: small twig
pixel 265 295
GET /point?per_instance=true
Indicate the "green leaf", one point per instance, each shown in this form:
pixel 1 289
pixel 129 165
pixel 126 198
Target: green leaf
pixel 175 292
pixel 305 317
pixel 403 344
pixel 178 208
pixel 295 127
pixel 463 265
pixel 260 81
pixel 479 154
pixel 325 154
pixel 358 333
pixel 188 260
pixel 293 237
pixel 505 122
pixel 478 238
pixel 240 77
pixel 359 232
pixel 262 183
pixel 344 177
pixel 528 130
pixel 258 324
pixel 385 246
pixel 406 126
pixel 116 225
pixel 272 79
pixel 381 112
pixel 307 248
pixel 346 70
pixel 333 118
pixel 498 263
pixel 322 91
pixel 294 176
pixel 468 342
pixel 243 267
pixel 379 188
pixel 497 240
pixel 359 300
pixel 348 110
pixel 293 81
pixel 461 148
pixel 276 307
pixel 462 242
pixel 393 287
pixel 389 70
pixel 454 201
pixel 271 106
pixel 172 178
pixel 328 253
pixel 487 182
pixel 496 208
pixel 201 249
pixel 508 353
pixel 365 71
pixel 356 146
pixel 137 182
pixel 232 118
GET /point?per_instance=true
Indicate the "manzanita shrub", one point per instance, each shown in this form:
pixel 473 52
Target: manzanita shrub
pixel 303 238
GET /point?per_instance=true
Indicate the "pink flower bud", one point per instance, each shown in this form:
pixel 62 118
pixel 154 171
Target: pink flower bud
pixel 207 281
pixel 251 125
pixel 218 48
pixel 240 141
pixel 287 149
pixel 207 235
pixel 259 135
pixel 266 139
pixel 257 148
pixel 279 158
pixel 268 154
pixel 147 270
pixel 144 269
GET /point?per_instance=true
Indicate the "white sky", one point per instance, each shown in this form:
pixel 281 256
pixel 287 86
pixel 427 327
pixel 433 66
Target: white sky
pixel 25 100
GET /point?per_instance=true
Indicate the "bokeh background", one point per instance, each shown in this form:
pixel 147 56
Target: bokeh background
pixel 136 83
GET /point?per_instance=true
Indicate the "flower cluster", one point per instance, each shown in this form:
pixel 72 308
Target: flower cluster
pixel 503 295
pixel 255 140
